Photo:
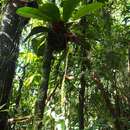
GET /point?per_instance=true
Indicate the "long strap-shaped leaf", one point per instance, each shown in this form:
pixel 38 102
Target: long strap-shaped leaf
pixel 51 10
pixel 68 8
pixel 30 12
pixel 36 30
pixel 47 12
pixel 85 9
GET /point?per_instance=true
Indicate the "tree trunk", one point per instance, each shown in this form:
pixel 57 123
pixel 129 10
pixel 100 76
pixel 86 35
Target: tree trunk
pixel 21 82
pixel 42 94
pixel 85 65
pixel 118 122
pixel 81 101
pixel 11 28
pixel 129 66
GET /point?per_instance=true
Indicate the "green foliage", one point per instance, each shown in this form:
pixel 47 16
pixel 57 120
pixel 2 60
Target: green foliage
pixel 86 9
pixel 107 51
pixel 103 1
pixel 113 59
pixel 2 108
pixel 128 6
pixel 68 8
pixel 38 46
pixel 50 10
pixel 29 12
pixel 36 30
pixel 44 12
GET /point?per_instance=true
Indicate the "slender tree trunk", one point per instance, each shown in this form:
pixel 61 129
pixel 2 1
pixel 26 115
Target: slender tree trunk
pixel 63 90
pixel 81 101
pixel 21 81
pixel 85 65
pixel 11 28
pixel 118 122
pixel 42 94
pixel 129 66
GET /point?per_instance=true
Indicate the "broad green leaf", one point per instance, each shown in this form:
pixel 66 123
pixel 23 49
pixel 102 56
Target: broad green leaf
pixel 36 30
pixel 50 10
pixel 68 8
pixel 85 9
pixel 29 12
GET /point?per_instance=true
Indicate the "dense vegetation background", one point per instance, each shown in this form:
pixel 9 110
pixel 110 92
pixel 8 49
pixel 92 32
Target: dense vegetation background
pixel 72 68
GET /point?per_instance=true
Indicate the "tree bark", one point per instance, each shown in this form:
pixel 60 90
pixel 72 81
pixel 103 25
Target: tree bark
pixel 11 28
pixel 128 66
pixel 21 82
pixel 85 65
pixel 42 94
pixel 81 101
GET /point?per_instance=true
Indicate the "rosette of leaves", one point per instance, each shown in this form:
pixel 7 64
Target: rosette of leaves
pixel 58 30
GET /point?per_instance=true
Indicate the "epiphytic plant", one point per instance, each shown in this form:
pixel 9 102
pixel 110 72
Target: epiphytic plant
pixel 58 31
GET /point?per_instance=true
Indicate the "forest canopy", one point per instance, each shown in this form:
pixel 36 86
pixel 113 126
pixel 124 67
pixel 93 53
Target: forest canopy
pixel 65 65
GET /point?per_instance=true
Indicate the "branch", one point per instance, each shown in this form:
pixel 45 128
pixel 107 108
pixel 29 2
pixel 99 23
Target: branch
pixel 20 119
